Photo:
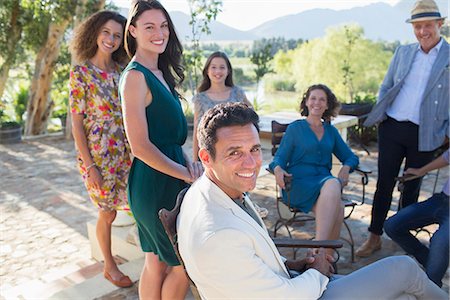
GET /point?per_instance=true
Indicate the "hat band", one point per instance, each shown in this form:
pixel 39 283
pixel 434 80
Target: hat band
pixel 427 14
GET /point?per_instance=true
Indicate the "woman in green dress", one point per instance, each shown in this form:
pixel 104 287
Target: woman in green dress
pixel 156 129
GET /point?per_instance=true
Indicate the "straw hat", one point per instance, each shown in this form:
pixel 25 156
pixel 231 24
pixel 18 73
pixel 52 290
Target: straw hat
pixel 425 10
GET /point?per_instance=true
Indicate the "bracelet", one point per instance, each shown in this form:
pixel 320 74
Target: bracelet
pixel 89 167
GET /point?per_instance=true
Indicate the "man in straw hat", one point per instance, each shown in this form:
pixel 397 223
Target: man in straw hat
pixel 412 113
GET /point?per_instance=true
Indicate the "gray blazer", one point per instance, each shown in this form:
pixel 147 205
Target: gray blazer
pixel 434 109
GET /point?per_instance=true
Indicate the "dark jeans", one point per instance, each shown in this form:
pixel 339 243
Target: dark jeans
pixel 435 210
pixel 396 141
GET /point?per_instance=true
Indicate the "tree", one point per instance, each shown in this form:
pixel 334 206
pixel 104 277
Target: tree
pixel 351 37
pixel 54 18
pixel 12 17
pixel 445 30
pixel 84 8
pixel 322 60
pixel 202 13
pixel 261 57
pixel 58 16
pixel 277 44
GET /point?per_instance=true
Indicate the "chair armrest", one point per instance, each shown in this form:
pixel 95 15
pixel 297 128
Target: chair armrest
pixel 363 169
pixel 407 177
pixel 298 243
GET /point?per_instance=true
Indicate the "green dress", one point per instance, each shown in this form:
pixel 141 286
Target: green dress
pixel 148 189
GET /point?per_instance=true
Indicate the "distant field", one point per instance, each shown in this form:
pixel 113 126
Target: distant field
pixel 245 64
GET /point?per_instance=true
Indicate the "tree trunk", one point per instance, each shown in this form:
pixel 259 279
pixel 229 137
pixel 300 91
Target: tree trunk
pixel 10 57
pixel 79 12
pixel 39 103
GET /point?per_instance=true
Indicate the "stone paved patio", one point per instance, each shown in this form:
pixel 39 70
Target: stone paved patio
pixel 44 209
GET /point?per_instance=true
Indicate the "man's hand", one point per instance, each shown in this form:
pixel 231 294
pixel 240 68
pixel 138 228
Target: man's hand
pixel 299 265
pixel 322 262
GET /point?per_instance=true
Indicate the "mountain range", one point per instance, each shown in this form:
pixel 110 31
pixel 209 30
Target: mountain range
pixel 380 21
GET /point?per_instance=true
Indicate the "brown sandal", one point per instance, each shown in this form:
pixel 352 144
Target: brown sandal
pixel 123 282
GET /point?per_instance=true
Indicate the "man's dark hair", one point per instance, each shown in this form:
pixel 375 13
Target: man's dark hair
pixel 223 115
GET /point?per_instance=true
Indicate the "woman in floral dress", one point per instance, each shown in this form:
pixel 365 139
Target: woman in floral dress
pixel 97 125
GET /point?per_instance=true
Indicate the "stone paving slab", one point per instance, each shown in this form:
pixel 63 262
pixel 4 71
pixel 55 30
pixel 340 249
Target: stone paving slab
pixel 44 209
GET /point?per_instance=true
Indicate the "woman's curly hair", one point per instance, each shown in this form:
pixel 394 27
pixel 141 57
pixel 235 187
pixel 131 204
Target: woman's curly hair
pixel 332 102
pixel 84 43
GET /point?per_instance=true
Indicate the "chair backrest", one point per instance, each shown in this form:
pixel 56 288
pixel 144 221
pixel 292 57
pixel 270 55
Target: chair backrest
pixel 278 130
pixel 169 221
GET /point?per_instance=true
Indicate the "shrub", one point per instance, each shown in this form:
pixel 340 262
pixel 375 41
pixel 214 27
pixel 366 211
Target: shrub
pixel 283 85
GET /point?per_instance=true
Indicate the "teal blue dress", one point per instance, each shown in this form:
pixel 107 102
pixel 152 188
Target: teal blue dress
pixel 148 189
pixel 310 160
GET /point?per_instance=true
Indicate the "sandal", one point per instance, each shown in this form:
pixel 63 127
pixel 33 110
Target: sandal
pixel 123 282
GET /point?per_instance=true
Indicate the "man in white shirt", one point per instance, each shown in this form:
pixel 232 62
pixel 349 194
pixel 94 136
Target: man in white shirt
pixel 412 113
pixel 227 250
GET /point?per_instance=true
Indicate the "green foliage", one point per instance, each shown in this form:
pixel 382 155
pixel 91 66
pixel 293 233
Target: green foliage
pixel 12 18
pixel 391 46
pixel 6 121
pixel 324 60
pixel 277 44
pixel 261 57
pixel 202 13
pixel 239 77
pixel 20 102
pixel 258 105
pixel 193 68
pixel 282 62
pixel 265 49
pixel 445 30
pixel 188 112
pixel 351 37
pixel 41 14
pixel 365 98
pixel 283 85
pixel 60 85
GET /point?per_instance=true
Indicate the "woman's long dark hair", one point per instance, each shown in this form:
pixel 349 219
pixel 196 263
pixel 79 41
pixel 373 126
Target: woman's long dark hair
pixel 332 102
pixel 206 82
pixel 169 61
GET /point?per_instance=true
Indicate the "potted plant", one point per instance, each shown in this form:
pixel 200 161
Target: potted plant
pixel 61 114
pixel 189 114
pixel 360 107
pixel 10 131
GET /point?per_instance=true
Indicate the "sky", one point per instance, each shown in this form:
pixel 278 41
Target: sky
pixel 248 14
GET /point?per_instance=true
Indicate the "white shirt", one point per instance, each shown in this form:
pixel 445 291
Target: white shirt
pixel 406 106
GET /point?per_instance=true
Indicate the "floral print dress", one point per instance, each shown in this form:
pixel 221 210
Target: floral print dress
pixel 94 94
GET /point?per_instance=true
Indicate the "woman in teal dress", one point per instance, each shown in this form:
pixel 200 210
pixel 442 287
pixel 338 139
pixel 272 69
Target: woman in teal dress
pixel 305 153
pixel 156 129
